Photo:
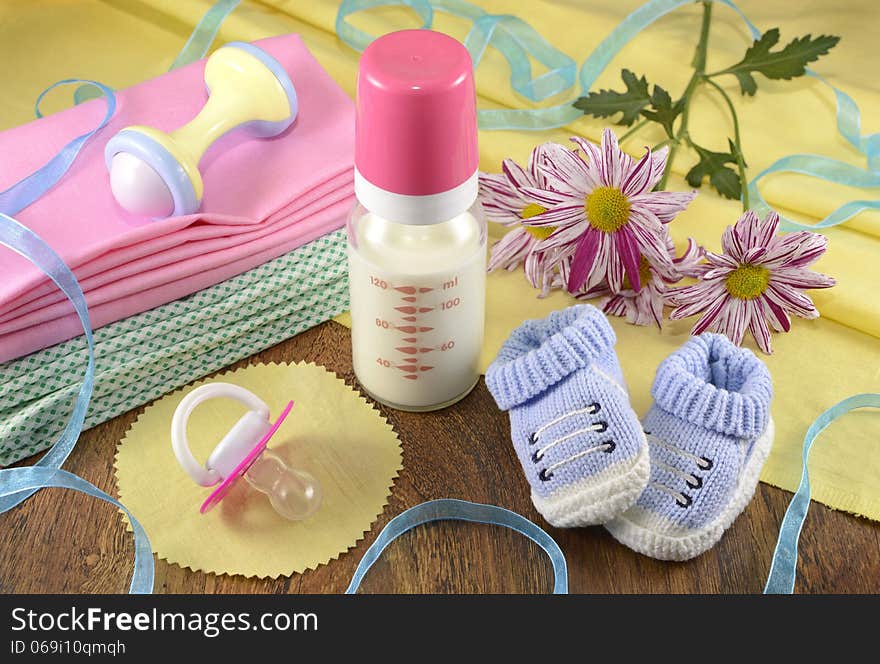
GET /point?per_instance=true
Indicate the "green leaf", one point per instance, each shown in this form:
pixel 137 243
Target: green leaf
pixel 605 103
pixel 722 177
pixel 787 63
pixel 663 111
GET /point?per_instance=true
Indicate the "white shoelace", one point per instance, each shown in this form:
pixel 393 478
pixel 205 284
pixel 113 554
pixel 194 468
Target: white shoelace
pixel 598 426
pixel 602 447
pixel 606 446
pixel 693 481
pixel 592 409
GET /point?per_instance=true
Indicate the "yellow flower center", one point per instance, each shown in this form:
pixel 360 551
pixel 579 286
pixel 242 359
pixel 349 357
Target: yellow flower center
pixel 539 232
pixel 748 281
pixel 644 274
pixel 607 209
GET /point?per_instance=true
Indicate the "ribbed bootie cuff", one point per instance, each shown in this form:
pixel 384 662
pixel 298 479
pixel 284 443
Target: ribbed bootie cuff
pixel 714 384
pixel 540 353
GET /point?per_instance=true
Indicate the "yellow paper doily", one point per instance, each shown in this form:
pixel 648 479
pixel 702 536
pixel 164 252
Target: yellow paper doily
pixel 332 432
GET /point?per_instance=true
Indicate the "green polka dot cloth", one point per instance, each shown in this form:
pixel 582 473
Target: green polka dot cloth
pixel 147 355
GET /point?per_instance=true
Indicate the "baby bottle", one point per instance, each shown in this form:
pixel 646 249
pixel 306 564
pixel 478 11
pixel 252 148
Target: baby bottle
pixel 417 237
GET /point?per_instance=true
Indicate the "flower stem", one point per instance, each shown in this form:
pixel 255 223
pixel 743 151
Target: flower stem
pixel 740 163
pixel 632 130
pixel 697 78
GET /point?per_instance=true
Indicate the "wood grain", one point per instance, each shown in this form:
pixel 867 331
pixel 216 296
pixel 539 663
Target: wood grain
pixel 64 542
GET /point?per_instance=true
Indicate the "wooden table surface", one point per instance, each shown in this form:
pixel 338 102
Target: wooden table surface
pixel 59 541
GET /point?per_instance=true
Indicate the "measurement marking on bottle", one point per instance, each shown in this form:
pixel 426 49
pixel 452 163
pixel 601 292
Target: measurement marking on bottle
pixel 409 298
pixel 410 319
pixel 410 340
pixel 406 309
pixel 410 368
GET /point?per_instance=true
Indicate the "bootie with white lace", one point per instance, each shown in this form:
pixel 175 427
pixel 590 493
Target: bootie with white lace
pixel 579 442
pixel 709 432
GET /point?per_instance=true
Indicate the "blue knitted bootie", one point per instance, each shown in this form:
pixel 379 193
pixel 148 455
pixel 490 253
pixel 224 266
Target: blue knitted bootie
pixel 709 432
pixel 578 440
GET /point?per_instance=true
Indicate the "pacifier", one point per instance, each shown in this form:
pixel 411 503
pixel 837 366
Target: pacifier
pixel 295 494
pixel 157 174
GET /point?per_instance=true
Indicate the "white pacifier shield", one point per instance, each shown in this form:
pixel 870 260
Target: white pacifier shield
pixel 138 188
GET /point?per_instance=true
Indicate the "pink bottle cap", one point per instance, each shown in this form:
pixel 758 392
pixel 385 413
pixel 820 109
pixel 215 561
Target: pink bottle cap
pixel 416 114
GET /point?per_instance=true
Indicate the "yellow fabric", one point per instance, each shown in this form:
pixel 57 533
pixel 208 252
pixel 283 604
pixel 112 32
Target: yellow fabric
pixel 123 41
pixel 332 433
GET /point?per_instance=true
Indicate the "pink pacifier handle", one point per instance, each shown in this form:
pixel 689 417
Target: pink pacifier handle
pixel 226 485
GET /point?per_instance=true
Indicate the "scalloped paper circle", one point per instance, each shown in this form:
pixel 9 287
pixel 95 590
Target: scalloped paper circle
pixel 332 432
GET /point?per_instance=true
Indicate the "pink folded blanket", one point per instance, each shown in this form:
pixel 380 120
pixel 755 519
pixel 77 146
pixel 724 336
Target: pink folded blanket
pixel 263 198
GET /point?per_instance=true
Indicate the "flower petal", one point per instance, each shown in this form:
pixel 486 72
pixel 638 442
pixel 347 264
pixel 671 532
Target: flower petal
pixel 566 171
pixel 516 175
pixel 758 326
pixel 593 154
pixel 710 317
pixel 778 318
pixel 638 180
pixel 665 205
pixel 561 215
pixel 660 156
pixel 767 230
pixel 563 239
pixel 584 259
pixel 690 264
pixel 650 236
pixel 801 278
pixel 628 250
pixel 615 305
pixel 737 319
pixel 615 163
pixel 547 197
pixel 691 300
pixel 791 300
pixel 608 264
pixel 510 250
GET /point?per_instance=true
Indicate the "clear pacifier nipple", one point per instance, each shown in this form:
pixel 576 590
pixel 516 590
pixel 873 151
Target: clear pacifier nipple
pixel 294 494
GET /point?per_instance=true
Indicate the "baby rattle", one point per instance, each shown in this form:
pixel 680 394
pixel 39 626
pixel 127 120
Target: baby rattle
pixel 294 494
pixel 157 174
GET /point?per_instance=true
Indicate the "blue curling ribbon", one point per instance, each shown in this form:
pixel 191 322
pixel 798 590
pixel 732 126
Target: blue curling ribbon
pixel 486 30
pixel 204 33
pixel 18 484
pixel 25 192
pixel 449 509
pixel 783 569
pixel 196 46
pixel 28 244
pixel 849 120
pixel 17 481
pixel 515 39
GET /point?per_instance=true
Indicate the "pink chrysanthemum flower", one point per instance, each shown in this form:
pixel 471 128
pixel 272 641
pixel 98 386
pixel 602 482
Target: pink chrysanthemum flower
pixel 645 306
pixel 604 211
pixel 504 203
pixel 759 277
